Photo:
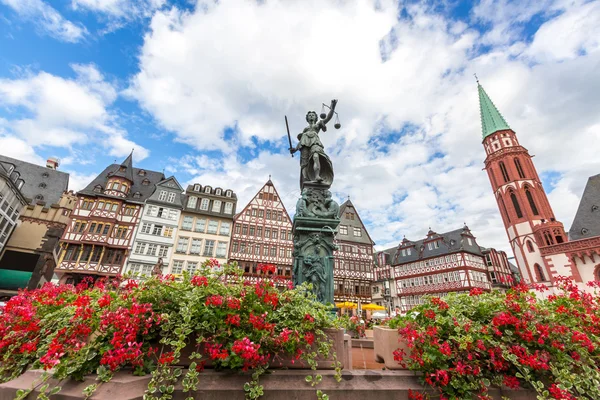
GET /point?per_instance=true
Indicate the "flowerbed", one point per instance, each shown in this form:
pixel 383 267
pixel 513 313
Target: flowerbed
pixel 465 343
pixel 74 331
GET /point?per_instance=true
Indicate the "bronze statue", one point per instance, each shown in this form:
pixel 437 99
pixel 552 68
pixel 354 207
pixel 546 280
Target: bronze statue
pixel 315 165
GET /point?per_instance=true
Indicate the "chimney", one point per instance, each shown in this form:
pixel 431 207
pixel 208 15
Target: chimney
pixel 52 163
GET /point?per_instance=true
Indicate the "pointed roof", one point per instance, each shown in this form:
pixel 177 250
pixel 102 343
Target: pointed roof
pixel 491 119
pixel 353 223
pixel 125 170
pixel 587 220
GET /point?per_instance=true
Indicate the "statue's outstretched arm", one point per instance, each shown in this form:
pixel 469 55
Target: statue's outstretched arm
pixel 331 112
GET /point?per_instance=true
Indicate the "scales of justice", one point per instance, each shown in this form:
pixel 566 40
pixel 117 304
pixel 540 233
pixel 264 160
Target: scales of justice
pixel 317 214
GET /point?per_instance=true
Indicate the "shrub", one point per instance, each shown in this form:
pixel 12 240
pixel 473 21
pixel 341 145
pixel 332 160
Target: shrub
pixel 465 343
pixel 102 327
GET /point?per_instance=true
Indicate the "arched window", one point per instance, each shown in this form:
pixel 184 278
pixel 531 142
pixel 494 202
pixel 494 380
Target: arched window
pixel 548 238
pixel 534 209
pixel 516 205
pixel 504 209
pixel 529 246
pixel 504 172
pixel 539 272
pixel 519 168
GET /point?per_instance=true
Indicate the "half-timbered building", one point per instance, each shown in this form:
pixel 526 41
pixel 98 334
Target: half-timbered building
pixel 156 231
pixel 436 265
pixel 353 260
pixel 98 238
pixel 205 227
pixel 262 234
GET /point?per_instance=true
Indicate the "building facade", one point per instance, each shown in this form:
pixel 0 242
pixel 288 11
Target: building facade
pixel 436 265
pixel 99 236
pixel 155 234
pixel 205 227
pixel 541 247
pixel 26 258
pixel 262 234
pixel 353 260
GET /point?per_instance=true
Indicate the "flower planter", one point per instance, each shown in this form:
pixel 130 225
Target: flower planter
pixel 385 342
pixel 281 361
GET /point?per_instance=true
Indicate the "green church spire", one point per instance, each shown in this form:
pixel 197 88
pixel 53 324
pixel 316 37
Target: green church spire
pixel 491 119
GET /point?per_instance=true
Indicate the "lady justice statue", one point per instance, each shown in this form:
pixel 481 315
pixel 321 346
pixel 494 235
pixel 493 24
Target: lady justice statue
pixel 315 165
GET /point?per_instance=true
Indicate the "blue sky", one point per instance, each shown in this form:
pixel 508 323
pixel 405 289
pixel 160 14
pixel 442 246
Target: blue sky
pixel 200 88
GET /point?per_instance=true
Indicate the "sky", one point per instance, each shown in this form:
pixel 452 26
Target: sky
pixel 200 89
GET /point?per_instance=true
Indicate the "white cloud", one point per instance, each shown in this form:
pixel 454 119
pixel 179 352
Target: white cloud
pixel 126 9
pixel 54 111
pixel 47 19
pixel 409 153
pixel 19 149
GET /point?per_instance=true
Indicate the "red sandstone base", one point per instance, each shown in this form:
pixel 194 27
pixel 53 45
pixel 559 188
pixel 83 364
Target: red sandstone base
pixel 278 385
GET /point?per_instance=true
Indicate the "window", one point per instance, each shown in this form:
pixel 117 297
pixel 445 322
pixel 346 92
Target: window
pixel 504 172
pixel 191 267
pixel 196 244
pixel 204 204
pixel 209 246
pixel 187 223
pixel 274 251
pixel 257 250
pixel 162 196
pixel 213 226
pixel 168 232
pixel 196 188
pixel 221 249
pixel 115 185
pixel 504 209
pixel 140 248
pixel 343 230
pixel 357 231
pixel 42 185
pixel 182 245
pixel 141 172
pixel 225 228
pixel 177 267
pixel 123 188
pixel 146 182
pixel 516 205
pixel 173 214
pixel 519 169
pixel 228 193
pixel 157 230
pixel 259 231
pixel 192 202
pixel 171 197
pixel 207 189
pixel 146 227
pixel 151 249
pixel 151 211
pixel 534 209
pixel 267 233
pixel 129 211
pixel 106 229
pixel 228 208
pixel 539 272
pixel 163 251
pixel 92 227
pixel 274 233
pixel 216 206
pixel 218 192
pixel 470 241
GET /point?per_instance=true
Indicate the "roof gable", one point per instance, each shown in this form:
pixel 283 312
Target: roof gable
pixel 587 219
pixel 348 208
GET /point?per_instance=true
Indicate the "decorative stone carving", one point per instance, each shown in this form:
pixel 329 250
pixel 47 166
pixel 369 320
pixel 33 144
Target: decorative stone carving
pixel 317 203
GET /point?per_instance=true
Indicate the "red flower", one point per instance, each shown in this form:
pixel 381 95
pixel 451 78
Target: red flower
pixel 104 301
pixel 429 314
pixel 511 382
pixel 233 319
pixel 309 337
pixel 214 300
pixel 233 303
pixel 475 292
pixel 198 280
pixel 166 358
pixel 309 318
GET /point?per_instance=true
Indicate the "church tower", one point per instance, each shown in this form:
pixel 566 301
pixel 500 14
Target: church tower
pixel 528 218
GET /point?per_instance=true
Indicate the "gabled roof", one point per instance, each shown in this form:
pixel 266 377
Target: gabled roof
pixel 268 183
pixel 349 237
pixel 171 185
pixel 587 219
pixel 39 181
pixel 491 119
pixel 145 191
pixel 448 243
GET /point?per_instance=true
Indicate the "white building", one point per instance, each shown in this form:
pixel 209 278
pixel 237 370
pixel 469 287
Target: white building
pixel 154 237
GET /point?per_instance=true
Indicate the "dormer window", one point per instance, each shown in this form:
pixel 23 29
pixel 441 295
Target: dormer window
pixel 207 189
pixel 122 168
pixel 137 195
pixel 228 193
pixel 197 188
pixel 142 172
pixel 97 188
pixel 20 183
pixel 42 185
pixel 45 175
pixel 115 185
pixel 218 192
pixel 39 197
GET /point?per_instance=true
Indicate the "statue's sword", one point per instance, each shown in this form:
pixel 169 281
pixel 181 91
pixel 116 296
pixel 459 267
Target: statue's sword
pixel 289 137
